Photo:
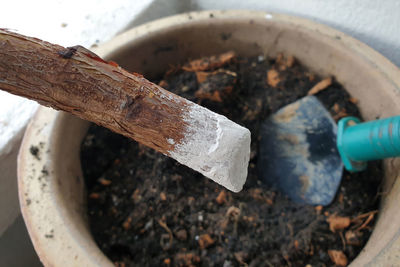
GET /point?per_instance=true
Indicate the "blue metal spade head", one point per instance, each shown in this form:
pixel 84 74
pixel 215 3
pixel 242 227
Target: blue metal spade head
pixel 298 152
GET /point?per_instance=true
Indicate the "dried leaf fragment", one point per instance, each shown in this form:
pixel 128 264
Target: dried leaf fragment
pixel 170 235
pixel 208 63
pixel 259 195
pixel 359 223
pixel 104 181
pixel 311 76
pixel 94 195
pixel 215 85
pixel 338 257
pixel 214 96
pixel 201 76
pixel 320 86
pixel 342 113
pixel 362 216
pixel 221 198
pixel 283 62
pixel 338 222
pixel 290 61
pixel 186 259
pixel 273 77
pixel 205 241
pixel 127 223
pixel 296 244
pixel 336 108
pixel 256 193
pixel 367 221
pixel 318 209
pixel 163 83
pixel 163 196
pixel 353 100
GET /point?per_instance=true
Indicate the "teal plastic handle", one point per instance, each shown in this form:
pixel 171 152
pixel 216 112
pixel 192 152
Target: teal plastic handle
pixel 359 142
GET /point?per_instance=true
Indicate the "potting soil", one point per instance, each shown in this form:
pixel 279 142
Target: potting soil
pixel 145 209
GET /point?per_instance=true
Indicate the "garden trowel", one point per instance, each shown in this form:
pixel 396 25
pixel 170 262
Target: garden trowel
pixel 303 151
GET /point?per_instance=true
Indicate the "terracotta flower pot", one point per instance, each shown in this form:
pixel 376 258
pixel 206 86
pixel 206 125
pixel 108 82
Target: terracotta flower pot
pixel 51 187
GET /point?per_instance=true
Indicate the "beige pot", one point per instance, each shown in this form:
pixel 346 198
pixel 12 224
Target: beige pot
pixel 51 189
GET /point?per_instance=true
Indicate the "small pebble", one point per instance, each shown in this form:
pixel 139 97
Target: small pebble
pixel 148 225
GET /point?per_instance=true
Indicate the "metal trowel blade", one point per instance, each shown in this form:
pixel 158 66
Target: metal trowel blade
pixel 298 152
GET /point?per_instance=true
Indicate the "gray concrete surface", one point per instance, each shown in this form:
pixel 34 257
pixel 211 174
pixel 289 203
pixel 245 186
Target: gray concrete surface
pixel 16 247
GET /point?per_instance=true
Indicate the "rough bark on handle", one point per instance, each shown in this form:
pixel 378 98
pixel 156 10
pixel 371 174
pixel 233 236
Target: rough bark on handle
pixel 77 81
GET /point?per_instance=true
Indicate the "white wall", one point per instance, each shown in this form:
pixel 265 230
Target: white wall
pixel 375 22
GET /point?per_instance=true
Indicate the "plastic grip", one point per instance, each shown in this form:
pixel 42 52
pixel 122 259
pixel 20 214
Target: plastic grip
pixel 359 142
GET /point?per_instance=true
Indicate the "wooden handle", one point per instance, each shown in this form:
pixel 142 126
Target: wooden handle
pixel 78 81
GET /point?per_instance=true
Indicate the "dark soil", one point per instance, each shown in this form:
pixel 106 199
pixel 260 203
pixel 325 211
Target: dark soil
pixel 146 209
